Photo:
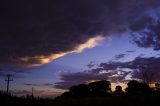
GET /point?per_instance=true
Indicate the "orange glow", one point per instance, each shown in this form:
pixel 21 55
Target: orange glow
pixel 40 60
pixel 90 81
pixel 113 86
pixel 92 42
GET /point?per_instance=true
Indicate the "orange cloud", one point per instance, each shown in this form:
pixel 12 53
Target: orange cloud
pixel 40 60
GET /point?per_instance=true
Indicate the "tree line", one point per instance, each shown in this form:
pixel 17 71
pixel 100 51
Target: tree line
pixel 103 88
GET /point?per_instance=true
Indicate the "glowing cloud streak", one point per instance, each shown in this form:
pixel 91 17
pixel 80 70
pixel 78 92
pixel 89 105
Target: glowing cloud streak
pixel 40 60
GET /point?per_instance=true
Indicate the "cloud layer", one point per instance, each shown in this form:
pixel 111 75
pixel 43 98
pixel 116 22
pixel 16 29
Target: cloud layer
pixel 36 32
pixel 146 69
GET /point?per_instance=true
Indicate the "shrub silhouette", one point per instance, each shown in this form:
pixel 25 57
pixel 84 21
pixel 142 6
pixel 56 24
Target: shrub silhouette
pixel 157 86
pixel 65 95
pixel 118 89
pixel 80 90
pixel 100 87
pixel 135 87
pixel 92 89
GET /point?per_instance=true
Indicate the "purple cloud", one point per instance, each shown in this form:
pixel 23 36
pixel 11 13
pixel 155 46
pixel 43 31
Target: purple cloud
pixel 130 51
pixel 119 56
pixel 35 32
pixel 146 69
pixel 70 79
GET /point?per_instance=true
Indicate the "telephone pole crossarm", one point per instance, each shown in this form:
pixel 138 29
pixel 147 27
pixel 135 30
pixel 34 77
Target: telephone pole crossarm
pixel 8 81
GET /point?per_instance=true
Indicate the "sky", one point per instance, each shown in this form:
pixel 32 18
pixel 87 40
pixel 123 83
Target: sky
pixel 52 45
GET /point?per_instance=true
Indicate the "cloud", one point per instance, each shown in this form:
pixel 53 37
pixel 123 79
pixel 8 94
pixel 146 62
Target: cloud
pixel 145 31
pixel 130 51
pixel 91 64
pixel 70 79
pixel 48 84
pixel 139 66
pixel 36 32
pixel 116 72
pixel 28 84
pixel 149 66
pixel 119 56
pixel 42 85
pixel 30 61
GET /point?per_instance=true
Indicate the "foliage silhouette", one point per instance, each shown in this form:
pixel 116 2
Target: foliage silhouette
pixel 100 87
pixel 118 91
pixel 91 94
pixel 80 90
pixel 135 87
pixel 157 85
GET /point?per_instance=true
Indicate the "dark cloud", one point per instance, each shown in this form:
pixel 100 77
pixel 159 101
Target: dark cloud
pixel 140 65
pixel 158 54
pixel 130 51
pixel 142 68
pixel 70 79
pixel 111 65
pixel 149 66
pixel 119 56
pixel 32 84
pixel 91 64
pixel 45 84
pixel 48 84
pixel 34 32
pixel 145 30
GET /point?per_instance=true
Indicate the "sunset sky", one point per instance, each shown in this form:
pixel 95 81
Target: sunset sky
pixel 54 44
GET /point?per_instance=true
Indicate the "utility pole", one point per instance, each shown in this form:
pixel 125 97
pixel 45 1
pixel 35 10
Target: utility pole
pixel 8 81
pixel 32 96
pixel 32 91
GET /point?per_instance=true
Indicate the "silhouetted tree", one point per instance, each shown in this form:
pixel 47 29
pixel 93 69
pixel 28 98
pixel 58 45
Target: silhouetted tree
pixel 118 89
pixel 80 90
pixel 65 95
pixel 135 87
pixel 157 86
pixel 100 87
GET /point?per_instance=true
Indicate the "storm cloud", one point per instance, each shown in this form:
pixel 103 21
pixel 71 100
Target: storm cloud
pixel 36 32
